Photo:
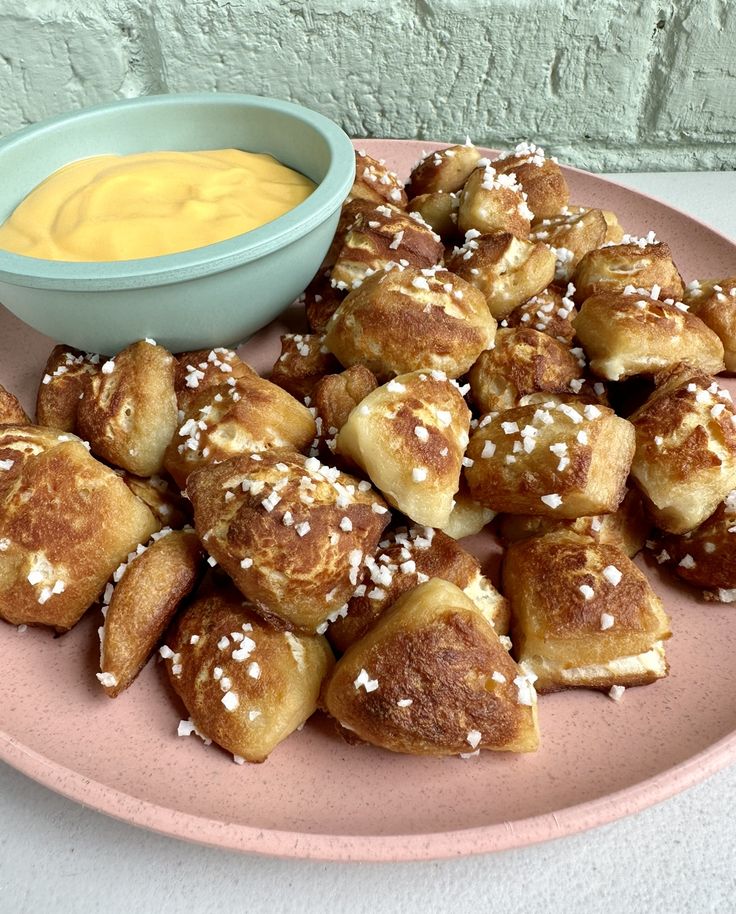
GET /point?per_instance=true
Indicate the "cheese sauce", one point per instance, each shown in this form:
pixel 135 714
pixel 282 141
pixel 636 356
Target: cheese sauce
pixel 125 207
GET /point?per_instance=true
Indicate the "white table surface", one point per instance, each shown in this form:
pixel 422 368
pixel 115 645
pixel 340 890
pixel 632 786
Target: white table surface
pixel 677 857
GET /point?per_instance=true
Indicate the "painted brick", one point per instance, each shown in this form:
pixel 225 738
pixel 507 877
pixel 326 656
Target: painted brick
pixel 627 84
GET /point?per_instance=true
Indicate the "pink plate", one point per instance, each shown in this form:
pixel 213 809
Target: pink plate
pixel 318 797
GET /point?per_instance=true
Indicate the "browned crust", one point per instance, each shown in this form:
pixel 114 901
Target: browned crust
pixel 611 269
pixel 577 232
pixel 337 395
pixel 521 362
pixel 548 313
pixel 443 171
pixel 491 210
pixel 203 368
pixel 545 185
pixel 380 237
pixel 554 620
pixel 507 269
pixel 374 181
pixel 248 416
pixel 129 414
pixel 11 412
pixel 301 577
pixel 439 210
pixel 406 320
pixel 433 648
pixel 284 694
pixel 593 476
pixel 144 602
pixel 304 361
pixel 632 334
pixel 321 300
pixel 440 557
pixel 711 549
pixel 66 515
pixel 62 384
pixel 162 497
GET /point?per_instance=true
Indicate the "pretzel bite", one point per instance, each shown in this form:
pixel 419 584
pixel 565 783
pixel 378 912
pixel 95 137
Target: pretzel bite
pixel 138 608
pixel 566 461
pixel 443 171
pixel 408 319
pixel 584 615
pixel 413 557
pixel 244 416
pixel 162 497
pixel 128 408
pixel 304 360
pixel 382 237
pixel 636 263
pixel 685 461
pixel 348 215
pixel 714 302
pixel 549 311
pixel 630 333
pixel 571 233
pixel 706 557
pixel 11 412
pixel 337 395
pixel 373 181
pixel 439 211
pixel 521 362
pixel 627 528
pixel 66 523
pixel 432 678
pixel 204 368
pixel 244 684
pixel 507 270
pixel 290 532
pixel 491 202
pixel 61 387
pixel 409 437
pixel 540 177
pixel 321 300
pixel 467 517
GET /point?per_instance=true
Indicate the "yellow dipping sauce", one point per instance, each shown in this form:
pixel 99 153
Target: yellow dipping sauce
pixel 114 207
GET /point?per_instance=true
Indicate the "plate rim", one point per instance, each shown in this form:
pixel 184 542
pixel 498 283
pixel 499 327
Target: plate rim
pixel 396 848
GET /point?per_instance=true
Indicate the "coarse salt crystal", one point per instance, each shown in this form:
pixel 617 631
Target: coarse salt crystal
pixel 616 692
pixel 553 500
pixel 587 591
pixel 607 621
pixel 473 738
pixel 612 575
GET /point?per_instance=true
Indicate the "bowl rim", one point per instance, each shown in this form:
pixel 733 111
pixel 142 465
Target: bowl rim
pixel 95 276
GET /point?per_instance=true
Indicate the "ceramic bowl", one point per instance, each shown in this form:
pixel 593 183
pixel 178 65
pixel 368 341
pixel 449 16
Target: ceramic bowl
pixel 213 295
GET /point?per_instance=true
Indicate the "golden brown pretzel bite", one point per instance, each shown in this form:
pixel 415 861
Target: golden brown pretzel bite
pixel 492 202
pixel 203 368
pixel 59 392
pixel 247 415
pixel 374 181
pixel 507 270
pixel 714 302
pixel 11 412
pixel 409 437
pixel 432 678
pixel 638 263
pixel 321 300
pixel 540 177
pixel 291 532
pixel 443 171
pixel 584 615
pixel 685 461
pixel 381 238
pixel 337 395
pixel 521 362
pixel 66 523
pixel 567 461
pixel 408 319
pixel 574 234
pixel 128 408
pixel 304 361
pixel 245 685
pixel 439 211
pixel 139 606
pixel 631 333
pixel 550 311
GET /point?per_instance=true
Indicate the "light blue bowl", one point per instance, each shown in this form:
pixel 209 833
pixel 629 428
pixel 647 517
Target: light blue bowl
pixel 214 295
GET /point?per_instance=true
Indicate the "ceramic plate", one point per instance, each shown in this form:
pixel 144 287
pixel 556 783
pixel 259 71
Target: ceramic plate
pixel 318 797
